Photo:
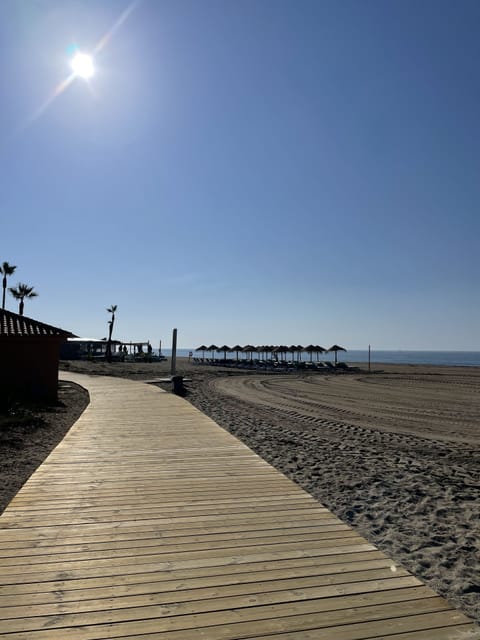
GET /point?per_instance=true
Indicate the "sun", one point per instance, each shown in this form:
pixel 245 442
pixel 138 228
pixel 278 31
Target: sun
pixel 82 65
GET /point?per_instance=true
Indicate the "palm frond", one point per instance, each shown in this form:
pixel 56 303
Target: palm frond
pixel 7 269
pixel 22 291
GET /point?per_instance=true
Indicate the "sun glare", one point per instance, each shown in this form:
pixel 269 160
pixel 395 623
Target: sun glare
pixel 82 65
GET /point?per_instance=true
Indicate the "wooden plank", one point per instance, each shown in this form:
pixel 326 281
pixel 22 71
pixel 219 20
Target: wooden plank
pixel 117 596
pixel 114 548
pixel 186 602
pixel 57 504
pixel 113 515
pixel 364 611
pixel 85 531
pixel 21 547
pixel 452 632
pixel 244 609
pixel 201 576
pixel 169 554
pixel 159 563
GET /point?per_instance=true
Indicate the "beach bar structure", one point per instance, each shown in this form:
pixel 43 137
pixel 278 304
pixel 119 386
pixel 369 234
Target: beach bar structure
pixel 93 349
pixel 135 348
pixel 29 357
pixel 84 348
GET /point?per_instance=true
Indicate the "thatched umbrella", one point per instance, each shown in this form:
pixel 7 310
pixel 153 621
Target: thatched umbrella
pixel 293 350
pixel 236 348
pixel 336 349
pixel 268 349
pixel 318 350
pixel 311 348
pixel 249 348
pixel 263 350
pixel 225 348
pixel 203 348
pixel 281 349
pixel 212 348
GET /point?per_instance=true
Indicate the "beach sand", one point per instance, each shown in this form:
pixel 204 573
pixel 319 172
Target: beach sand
pixel 396 453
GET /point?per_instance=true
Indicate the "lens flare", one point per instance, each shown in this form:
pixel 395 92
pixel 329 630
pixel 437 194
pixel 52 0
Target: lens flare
pixel 81 64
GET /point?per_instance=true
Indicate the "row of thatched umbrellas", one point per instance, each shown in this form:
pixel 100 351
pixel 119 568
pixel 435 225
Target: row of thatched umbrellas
pixel 279 350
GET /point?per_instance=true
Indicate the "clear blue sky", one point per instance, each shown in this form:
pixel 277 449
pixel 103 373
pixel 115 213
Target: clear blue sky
pixel 251 171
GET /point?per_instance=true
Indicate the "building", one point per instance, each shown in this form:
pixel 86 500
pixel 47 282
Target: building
pixel 92 349
pixel 85 349
pixel 29 356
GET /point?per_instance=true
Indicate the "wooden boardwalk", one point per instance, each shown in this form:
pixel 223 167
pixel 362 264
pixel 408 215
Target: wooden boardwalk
pixel 149 521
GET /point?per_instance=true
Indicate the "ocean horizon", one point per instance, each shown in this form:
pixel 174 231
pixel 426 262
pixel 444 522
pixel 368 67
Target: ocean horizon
pixel 446 358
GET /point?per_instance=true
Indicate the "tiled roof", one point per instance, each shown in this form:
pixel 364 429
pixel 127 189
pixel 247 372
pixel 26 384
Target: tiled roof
pixel 14 325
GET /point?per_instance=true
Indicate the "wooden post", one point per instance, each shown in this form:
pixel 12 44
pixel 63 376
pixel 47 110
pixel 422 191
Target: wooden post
pixel 368 358
pixel 174 353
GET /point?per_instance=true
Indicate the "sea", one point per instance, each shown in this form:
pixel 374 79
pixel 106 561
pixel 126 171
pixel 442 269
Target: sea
pixel 450 358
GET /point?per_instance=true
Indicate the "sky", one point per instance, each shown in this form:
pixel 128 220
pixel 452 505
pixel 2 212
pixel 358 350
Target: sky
pixel 246 171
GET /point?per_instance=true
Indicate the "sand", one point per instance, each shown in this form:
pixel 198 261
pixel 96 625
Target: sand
pixel 26 442
pixel 395 453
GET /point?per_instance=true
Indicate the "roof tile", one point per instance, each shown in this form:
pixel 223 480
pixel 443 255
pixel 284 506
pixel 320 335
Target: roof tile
pixel 15 325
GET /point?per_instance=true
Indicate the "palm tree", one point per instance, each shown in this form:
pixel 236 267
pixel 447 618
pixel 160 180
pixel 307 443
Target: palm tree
pixel 111 322
pixel 20 292
pixel 7 270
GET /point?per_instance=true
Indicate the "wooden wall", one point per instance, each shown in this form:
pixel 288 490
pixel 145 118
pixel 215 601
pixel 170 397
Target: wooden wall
pixel 29 367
